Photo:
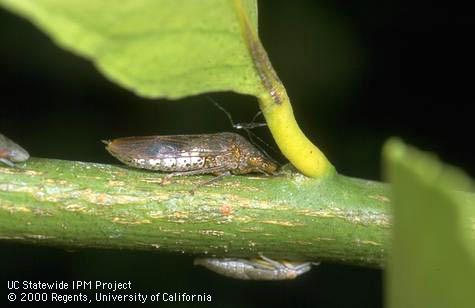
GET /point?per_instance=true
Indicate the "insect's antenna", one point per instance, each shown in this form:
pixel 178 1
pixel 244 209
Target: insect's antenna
pixel 244 126
pixel 256 116
pixel 222 109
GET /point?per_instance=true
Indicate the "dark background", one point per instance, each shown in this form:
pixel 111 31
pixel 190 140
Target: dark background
pixel 357 73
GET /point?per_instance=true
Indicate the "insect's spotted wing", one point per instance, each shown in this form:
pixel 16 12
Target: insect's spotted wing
pixel 180 153
pixel 152 147
pixel 193 145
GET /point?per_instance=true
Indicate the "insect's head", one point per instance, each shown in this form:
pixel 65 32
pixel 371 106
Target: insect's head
pixel 262 164
pixel 18 155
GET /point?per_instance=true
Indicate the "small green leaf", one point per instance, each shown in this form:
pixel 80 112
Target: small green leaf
pixel 432 263
pixel 156 48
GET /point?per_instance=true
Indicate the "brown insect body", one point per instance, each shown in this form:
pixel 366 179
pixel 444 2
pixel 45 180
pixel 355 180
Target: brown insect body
pixel 218 154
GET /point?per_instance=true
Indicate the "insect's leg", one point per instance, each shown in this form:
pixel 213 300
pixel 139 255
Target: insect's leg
pixel 255 118
pixel 301 268
pixel 7 162
pixel 215 179
pixel 287 264
pixel 166 179
pixel 274 263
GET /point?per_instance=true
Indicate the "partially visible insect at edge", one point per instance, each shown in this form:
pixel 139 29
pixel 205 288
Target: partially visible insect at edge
pixel 219 154
pixel 11 153
pixel 255 269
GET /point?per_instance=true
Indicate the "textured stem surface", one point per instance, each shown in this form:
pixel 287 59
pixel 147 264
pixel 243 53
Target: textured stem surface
pixel 75 204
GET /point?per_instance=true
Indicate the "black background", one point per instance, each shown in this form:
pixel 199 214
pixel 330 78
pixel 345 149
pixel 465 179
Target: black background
pixel 357 73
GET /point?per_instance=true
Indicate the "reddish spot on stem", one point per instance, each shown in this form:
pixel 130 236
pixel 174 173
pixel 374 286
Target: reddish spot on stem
pixel 225 210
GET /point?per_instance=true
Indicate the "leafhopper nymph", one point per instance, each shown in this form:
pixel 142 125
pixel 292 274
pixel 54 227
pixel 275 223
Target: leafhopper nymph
pixel 255 269
pixel 219 154
pixel 11 153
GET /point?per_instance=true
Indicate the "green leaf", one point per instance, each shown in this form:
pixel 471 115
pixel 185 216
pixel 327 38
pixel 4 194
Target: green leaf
pixel 177 48
pixel 156 48
pixel 433 255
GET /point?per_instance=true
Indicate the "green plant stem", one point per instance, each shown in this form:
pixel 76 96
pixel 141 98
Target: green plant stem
pixel 276 108
pixel 75 204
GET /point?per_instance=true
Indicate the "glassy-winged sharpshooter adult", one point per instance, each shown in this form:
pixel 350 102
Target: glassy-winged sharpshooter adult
pixel 255 269
pixel 11 153
pixel 219 154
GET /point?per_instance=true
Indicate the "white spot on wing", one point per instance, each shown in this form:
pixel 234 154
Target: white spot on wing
pixel 169 162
